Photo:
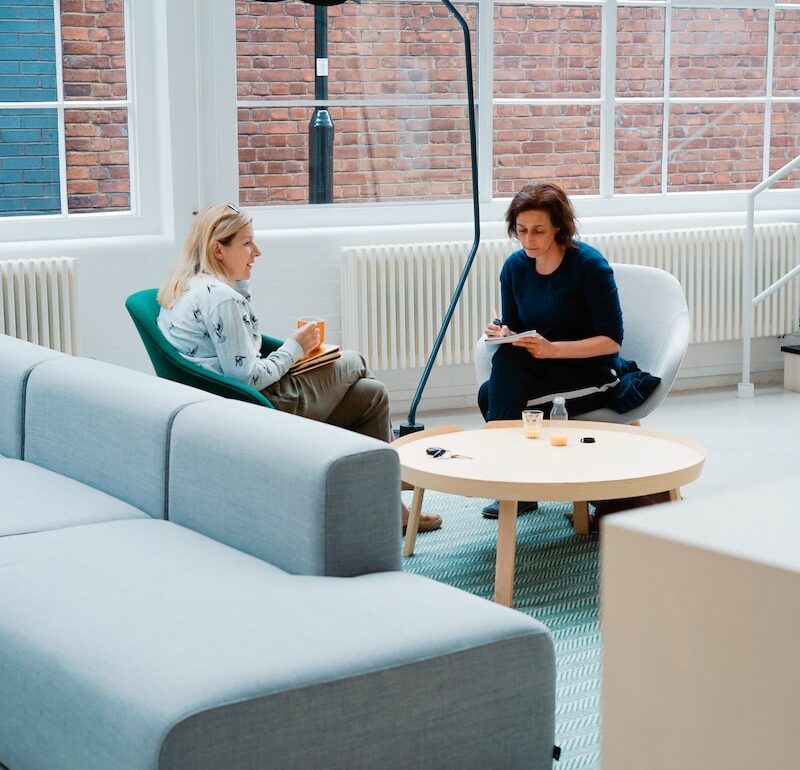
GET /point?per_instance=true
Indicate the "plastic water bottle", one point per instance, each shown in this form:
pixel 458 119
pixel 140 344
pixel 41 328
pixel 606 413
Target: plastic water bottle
pixel 558 422
pixel 559 410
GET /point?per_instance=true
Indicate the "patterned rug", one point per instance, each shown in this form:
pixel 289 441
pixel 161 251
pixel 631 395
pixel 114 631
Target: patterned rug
pixel 556 583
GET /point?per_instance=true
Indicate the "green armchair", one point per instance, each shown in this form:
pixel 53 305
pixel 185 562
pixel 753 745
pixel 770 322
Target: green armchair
pixel 143 308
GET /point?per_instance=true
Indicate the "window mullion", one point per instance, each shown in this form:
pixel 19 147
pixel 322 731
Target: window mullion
pixel 130 91
pixel 485 107
pixel 768 94
pixel 608 86
pixel 665 111
pixel 60 120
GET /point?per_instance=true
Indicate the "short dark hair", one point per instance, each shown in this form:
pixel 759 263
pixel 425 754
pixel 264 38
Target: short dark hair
pixel 549 197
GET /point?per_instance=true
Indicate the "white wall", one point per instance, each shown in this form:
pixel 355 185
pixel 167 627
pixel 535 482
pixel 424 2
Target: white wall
pixel 299 271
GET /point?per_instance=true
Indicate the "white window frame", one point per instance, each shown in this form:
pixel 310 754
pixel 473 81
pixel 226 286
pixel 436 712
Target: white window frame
pixel 142 22
pixel 223 184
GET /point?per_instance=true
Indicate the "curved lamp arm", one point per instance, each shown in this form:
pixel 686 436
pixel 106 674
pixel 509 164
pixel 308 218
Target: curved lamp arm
pixel 411 426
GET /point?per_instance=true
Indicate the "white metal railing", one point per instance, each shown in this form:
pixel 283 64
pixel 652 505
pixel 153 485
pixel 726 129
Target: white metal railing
pixel 746 389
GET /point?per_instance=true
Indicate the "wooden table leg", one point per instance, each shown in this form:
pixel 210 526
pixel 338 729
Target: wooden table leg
pixel 674 495
pixel 506 553
pixel 413 521
pixel 580 517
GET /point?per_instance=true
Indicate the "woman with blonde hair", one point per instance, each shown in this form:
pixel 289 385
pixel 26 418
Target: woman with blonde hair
pixel 207 317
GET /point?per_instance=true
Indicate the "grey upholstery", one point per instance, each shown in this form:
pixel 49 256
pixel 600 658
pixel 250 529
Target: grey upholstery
pixel 19 358
pixel 87 434
pixel 657 333
pixel 323 527
pixel 229 637
pixel 35 499
pixel 173 651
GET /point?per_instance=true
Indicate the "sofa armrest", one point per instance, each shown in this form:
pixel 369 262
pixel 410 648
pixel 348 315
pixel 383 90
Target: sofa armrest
pixel 302 495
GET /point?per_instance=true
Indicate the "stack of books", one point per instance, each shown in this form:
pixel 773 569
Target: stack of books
pixel 324 354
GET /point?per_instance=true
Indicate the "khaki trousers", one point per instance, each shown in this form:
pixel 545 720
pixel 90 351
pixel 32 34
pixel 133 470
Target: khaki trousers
pixel 343 393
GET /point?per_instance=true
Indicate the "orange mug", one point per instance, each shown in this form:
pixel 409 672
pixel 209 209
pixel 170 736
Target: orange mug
pixel 320 322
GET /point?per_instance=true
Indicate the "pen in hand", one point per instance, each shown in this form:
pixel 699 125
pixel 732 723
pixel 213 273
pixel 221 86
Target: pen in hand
pixel 497 321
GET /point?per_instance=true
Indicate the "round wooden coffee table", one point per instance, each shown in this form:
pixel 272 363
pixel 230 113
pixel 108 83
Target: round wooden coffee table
pixel 500 462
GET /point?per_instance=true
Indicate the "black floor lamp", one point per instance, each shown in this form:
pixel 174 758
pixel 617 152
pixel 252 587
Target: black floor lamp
pixel 326 142
pixel 411 426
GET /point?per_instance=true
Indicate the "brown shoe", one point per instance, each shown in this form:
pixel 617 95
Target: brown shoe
pixel 604 507
pixel 594 522
pixel 427 523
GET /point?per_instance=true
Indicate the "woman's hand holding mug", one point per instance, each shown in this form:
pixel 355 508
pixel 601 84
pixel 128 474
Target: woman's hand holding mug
pixel 308 336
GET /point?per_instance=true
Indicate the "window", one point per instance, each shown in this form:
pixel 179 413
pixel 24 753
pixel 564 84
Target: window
pixel 614 99
pixel 64 107
pixel 396 99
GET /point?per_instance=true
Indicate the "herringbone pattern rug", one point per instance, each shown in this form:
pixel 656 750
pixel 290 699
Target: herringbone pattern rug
pixel 556 583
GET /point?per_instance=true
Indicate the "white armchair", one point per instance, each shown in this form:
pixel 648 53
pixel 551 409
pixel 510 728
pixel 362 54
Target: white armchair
pixel 657 332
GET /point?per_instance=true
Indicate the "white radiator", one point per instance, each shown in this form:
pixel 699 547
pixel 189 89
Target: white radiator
pixel 394 296
pixel 38 302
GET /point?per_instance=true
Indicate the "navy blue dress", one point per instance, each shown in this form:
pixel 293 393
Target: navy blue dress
pixel 578 300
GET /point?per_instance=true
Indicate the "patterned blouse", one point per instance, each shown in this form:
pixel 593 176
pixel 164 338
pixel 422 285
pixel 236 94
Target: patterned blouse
pixel 213 325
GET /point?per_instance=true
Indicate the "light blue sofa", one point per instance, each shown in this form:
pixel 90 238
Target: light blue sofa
pixel 190 583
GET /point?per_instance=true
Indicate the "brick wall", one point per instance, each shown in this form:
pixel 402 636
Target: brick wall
pixel 396 50
pixel 96 140
pixel 28 138
pixel 786 82
pixel 93 46
pixel 383 50
pixel 29 162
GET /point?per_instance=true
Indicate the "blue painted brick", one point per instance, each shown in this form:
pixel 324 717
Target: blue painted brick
pixel 9 119
pixel 19 54
pixel 19 190
pixel 10 176
pixel 34 12
pixel 20 163
pixel 37 175
pixel 35 67
pixel 34 119
pixel 28 206
pixel 9 67
pixel 37 40
pixel 41 148
pixel 20 81
pixel 20 135
pixel 16 25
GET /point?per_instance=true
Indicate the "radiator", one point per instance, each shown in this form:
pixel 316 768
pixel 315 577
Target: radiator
pixel 38 302
pixel 394 296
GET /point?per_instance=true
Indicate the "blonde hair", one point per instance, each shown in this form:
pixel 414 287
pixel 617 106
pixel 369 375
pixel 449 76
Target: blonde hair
pixel 218 223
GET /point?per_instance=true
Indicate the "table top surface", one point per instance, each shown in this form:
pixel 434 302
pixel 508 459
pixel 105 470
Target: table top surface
pixel 624 460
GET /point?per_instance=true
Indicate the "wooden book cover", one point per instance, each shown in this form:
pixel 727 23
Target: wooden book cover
pixel 320 356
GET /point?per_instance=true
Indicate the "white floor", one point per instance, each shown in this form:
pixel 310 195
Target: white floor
pixel 749 441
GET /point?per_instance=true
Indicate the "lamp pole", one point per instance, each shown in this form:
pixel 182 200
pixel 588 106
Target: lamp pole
pixel 320 128
pixel 411 425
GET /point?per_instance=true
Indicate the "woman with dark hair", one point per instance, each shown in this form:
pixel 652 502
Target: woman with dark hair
pixel 564 291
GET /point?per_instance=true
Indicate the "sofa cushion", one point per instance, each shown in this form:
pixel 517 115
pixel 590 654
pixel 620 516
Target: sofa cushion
pixel 165 649
pixel 36 499
pixel 105 426
pixel 18 359
pixel 308 497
